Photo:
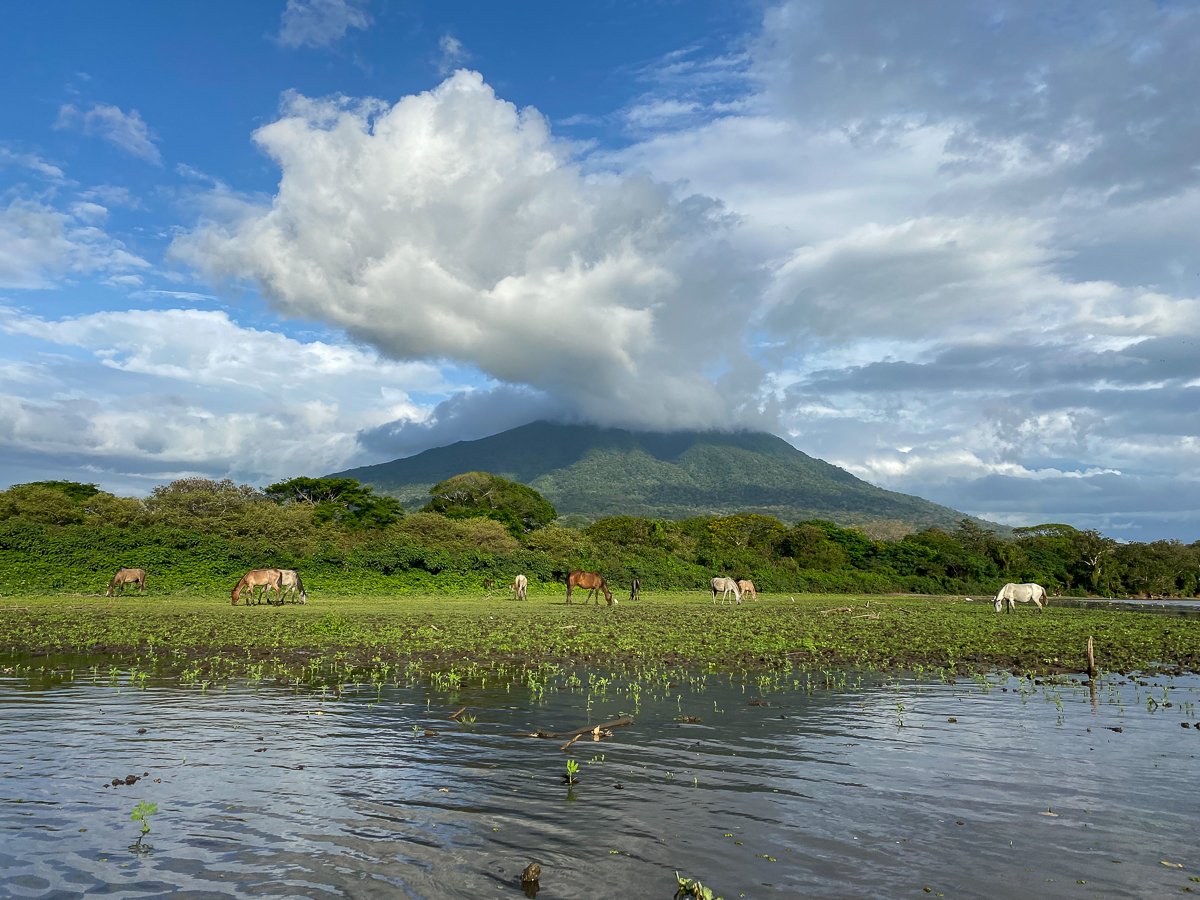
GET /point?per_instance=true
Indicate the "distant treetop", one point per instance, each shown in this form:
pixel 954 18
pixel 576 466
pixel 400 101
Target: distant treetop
pixel 517 506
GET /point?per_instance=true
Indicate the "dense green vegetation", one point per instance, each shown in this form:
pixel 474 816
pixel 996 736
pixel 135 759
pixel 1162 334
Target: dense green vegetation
pixel 362 638
pixel 198 536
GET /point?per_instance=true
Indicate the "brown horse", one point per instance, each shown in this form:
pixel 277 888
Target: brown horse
pixel 593 582
pixel 256 579
pixel 747 588
pixel 124 577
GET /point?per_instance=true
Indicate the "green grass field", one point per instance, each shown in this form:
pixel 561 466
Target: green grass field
pixel 361 635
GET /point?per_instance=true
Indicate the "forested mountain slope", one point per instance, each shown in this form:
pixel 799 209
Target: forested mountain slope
pixel 595 472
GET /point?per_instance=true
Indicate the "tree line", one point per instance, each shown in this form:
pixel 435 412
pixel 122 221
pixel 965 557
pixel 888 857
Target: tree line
pixel 197 534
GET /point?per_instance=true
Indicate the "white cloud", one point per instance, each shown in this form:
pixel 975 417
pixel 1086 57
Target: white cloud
pixel 32 162
pixel 465 232
pixel 319 23
pixel 191 391
pixel 453 54
pixel 39 245
pixel 125 130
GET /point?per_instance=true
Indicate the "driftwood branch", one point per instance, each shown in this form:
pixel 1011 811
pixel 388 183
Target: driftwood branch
pixel 579 732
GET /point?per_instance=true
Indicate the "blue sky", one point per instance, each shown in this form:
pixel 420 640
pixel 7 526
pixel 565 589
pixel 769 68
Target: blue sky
pixel 951 248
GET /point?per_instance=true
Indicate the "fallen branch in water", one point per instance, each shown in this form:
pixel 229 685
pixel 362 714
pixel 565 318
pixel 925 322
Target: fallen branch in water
pixel 457 714
pixel 578 732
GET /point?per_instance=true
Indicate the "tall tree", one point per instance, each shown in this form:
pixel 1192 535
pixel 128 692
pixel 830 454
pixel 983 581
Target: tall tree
pixel 345 501
pixel 517 506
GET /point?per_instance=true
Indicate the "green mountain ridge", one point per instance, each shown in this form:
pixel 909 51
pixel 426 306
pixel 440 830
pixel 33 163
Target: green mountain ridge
pixel 593 472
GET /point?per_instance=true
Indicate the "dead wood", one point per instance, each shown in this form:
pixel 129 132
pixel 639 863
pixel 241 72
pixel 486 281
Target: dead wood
pixel 603 726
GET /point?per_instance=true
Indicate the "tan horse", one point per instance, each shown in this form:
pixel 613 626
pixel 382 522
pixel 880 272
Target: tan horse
pixel 593 582
pixel 289 580
pixel 124 577
pixel 747 587
pixel 726 586
pixel 256 579
pixel 521 586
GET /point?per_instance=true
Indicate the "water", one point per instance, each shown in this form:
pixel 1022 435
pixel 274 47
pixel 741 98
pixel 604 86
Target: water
pixel 861 789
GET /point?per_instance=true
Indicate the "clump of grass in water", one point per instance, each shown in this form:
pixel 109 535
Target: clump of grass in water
pixel 690 887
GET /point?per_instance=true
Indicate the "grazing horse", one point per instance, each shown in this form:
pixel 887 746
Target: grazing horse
pixel 1012 594
pixel 289 580
pixel 594 584
pixel 520 585
pixel 747 587
pixel 266 579
pixel 725 585
pixel 124 577
pixel 635 589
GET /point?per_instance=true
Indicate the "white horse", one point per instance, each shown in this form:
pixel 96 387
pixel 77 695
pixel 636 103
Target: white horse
pixel 1021 593
pixel 520 585
pixel 289 580
pixel 725 585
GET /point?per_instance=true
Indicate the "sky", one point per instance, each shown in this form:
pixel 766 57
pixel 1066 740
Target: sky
pixel 950 247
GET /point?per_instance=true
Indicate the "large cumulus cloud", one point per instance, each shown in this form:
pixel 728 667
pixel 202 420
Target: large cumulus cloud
pixel 452 225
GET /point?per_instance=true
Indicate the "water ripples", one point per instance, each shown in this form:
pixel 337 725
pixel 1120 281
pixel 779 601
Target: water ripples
pixel 875 790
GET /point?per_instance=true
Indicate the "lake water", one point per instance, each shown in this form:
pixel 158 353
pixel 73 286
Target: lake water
pixel 802 786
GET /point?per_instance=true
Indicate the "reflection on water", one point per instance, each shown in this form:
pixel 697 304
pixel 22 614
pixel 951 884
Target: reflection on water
pixel 1183 608
pixel 1000 788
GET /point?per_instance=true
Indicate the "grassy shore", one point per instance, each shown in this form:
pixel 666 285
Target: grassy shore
pixel 370 634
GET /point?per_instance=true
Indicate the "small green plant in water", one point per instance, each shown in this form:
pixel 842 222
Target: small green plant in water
pixel 691 888
pixel 142 813
pixel 572 771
